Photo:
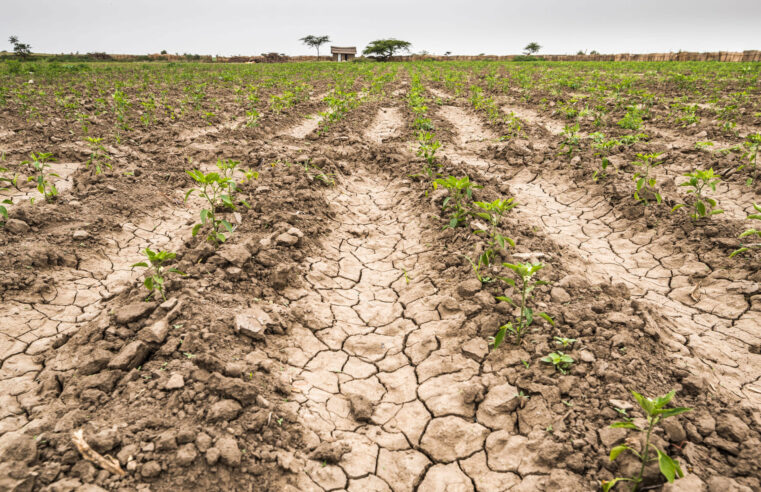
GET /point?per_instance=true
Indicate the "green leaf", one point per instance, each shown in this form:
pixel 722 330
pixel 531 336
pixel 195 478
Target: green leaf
pixel 227 225
pixel 140 264
pixel 148 282
pixel 669 468
pixel 608 485
pixel 505 299
pixel 737 252
pixel 670 412
pixel 677 207
pixel 547 318
pixel 623 425
pixel 646 404
pixel 617 450
pixel 204 215
pixel 174 270
pixel 701 208
pixel 195 229
pixel 499 337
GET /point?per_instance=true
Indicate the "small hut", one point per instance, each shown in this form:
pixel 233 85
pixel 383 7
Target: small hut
pixel 343 54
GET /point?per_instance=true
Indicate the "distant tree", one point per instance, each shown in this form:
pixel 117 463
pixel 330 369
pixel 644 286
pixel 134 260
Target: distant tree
pixel 594 52
pixel 163 52
pixel 22 50
pixel 447 53
pixel 581 52
pixel 386 48
pixel 315 42
pixel 532 48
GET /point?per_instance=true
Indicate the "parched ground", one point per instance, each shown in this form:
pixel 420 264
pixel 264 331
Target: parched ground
pixel 339 340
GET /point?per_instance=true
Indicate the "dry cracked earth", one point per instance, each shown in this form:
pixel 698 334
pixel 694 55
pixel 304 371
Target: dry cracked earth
pixel 388 388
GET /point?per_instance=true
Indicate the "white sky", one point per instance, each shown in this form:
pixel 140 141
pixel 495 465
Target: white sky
pixel 232 27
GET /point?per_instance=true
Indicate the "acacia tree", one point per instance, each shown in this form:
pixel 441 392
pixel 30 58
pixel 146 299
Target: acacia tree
pixel 386 48
pixel 532 48
pixel 22 50
pixel 315 42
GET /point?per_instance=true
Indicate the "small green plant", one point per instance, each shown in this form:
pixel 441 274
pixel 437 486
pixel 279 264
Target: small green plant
pixel 752 146
pixel 704 206
pixel 603 147
pixel 478 266
pixel 40 162
pixel 571 140
pixel 655 412
pixel 492 212
pixel 559 360
pixel 564 342
pixel 154 282
pixel 750 233
pixel 427 147
pixel 525 273
pixel 214 188
pixel 703 145
pixel 98 155
pixel 642 179
pixel 460 191
pixel 632 120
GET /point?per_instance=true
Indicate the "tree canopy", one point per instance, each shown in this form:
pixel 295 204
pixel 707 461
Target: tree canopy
pixel 315 42
pixel 386 48
pixel 22 50
pixel 532 48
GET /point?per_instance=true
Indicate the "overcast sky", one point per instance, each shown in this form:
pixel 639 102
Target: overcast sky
pixel 232 27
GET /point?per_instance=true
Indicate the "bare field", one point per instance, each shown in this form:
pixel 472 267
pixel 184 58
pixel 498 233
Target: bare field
pixel 389 277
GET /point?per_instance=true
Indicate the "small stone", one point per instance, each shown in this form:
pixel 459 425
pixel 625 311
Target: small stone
pixel 587 356
pixel 253 322
pixel 497 409
pixel 203 442
pixel 705 423
pixel 225 410
pixel 361 407
pixel 476 348
pixel 15 446
pixel 688 483
pixel 127 453
pixel 469 288
pixel 237 255
pixel 150 469
pixel 155 333
pixel 286 239
pixel 731 427
pixel 212 456
pixel 80 235
pixel 176 381
pixel 295 231
pixel 330 452
pixel 186 455
pixel 229 453
pixel 726 484
pixel 611 437
pixel 623 405
pixel 131 355
pixel 133 312
pixel 167 441
pixel 16 226
pixel 674 430
pixel 559 294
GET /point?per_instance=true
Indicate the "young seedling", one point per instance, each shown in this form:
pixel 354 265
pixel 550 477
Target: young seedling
pixel 704 206
pixel 655 412
pixel 750 233
pixel 564 342
pixel 603 149
pixel 460 191
pixel 492 212
pixel 154 282
pixel 752 146
pixel 642 179
pixel 98 155
pixel 213 188
pixel 227 170
pixel 40 163
pixel 571 140
pixel 427 147
pixel 561 361
pixel 483 262
pixel 525 273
